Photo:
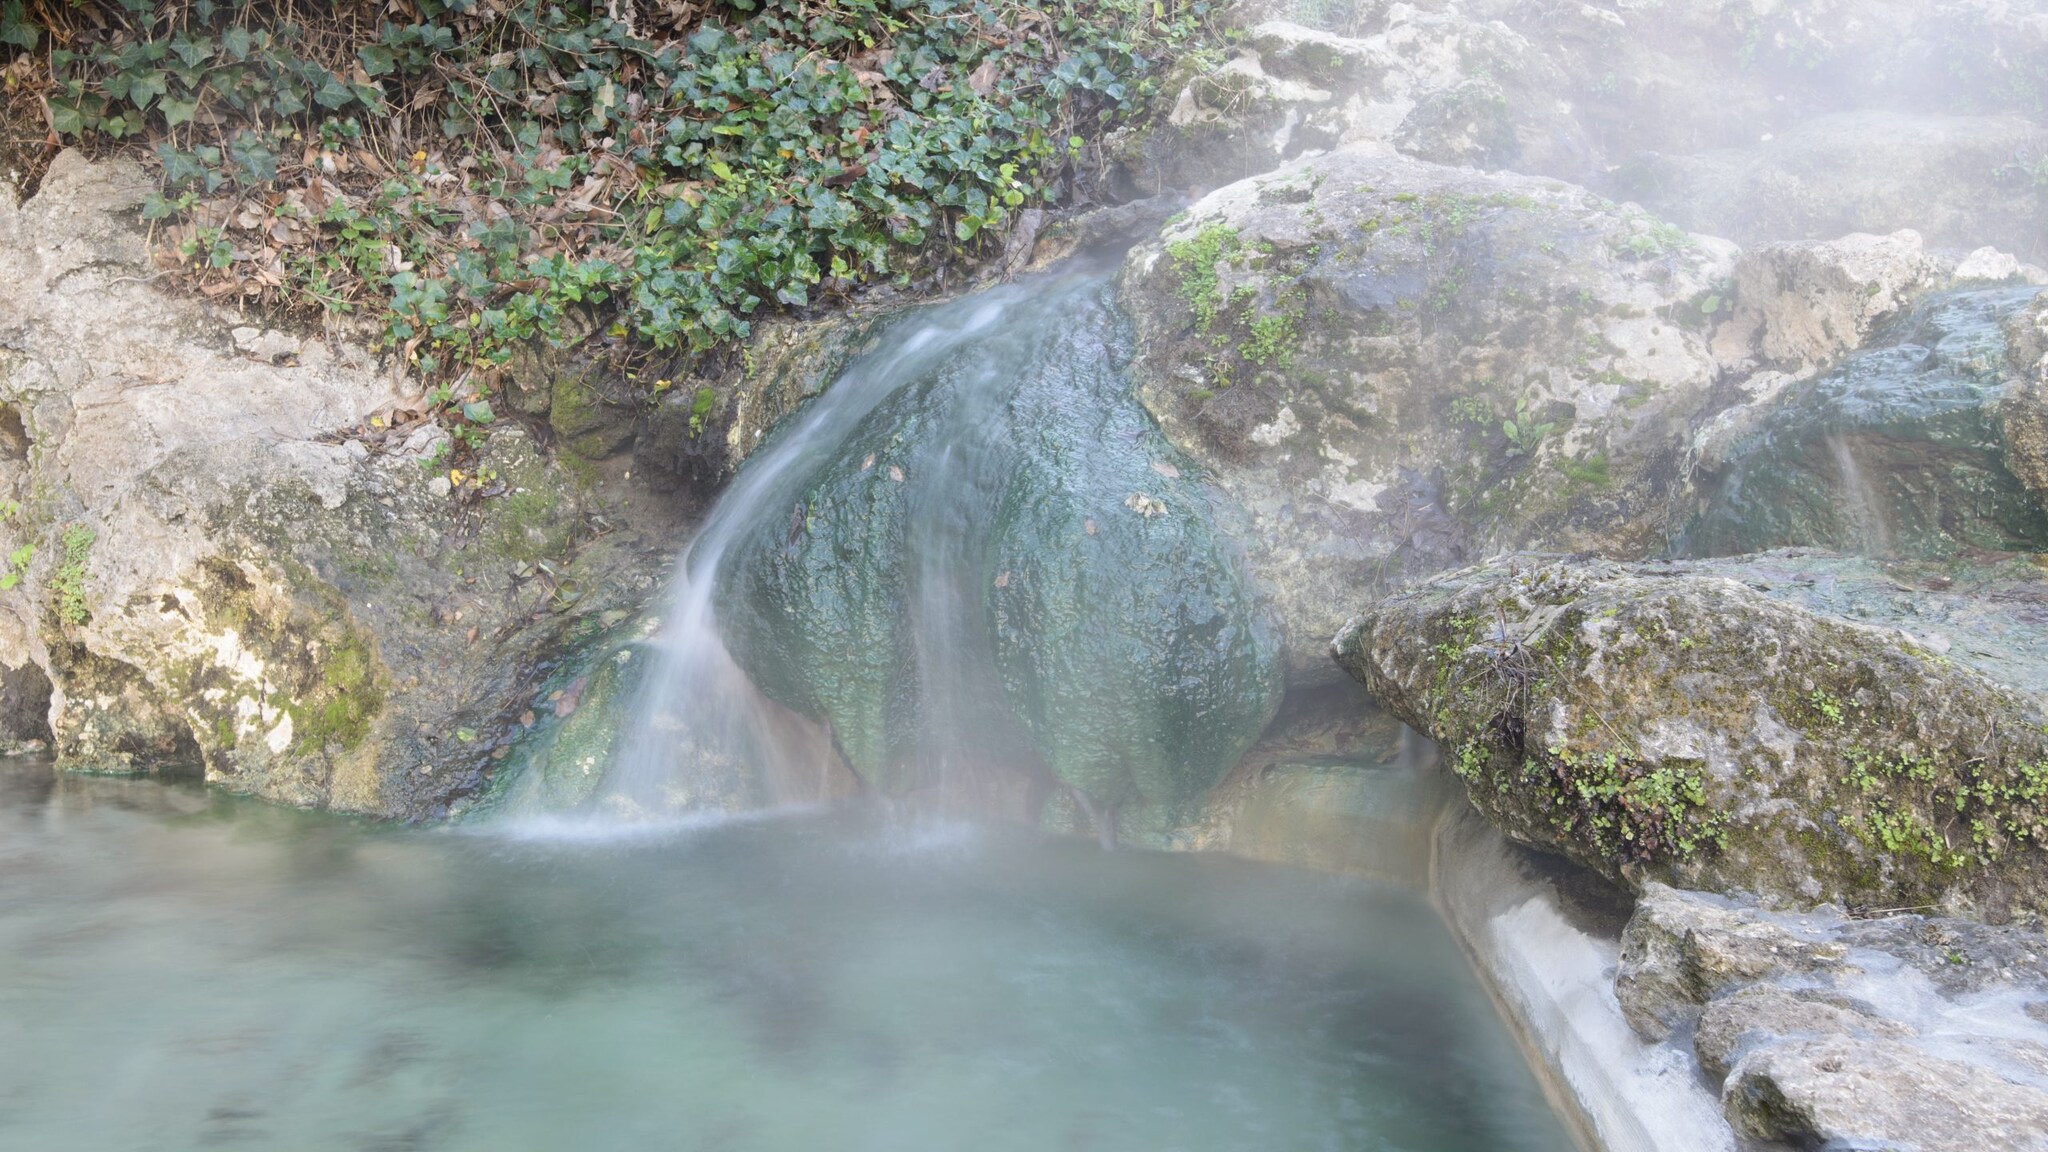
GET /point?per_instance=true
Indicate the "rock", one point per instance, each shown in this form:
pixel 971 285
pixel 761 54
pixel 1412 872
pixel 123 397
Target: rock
pixel 1892 1031
pixel 1765 1015
pixel 1684 949
pixel 2023 410
pixel 1896 452
pixel 1439 85
pixel 1950 177
pixel 1735 725
pixel 1742 118
pixel 1798 307
pixel 1001 561
pixel 1869 1093
pixel 590 424
pixel 1397 367
pixel 24 706
pixel 225 572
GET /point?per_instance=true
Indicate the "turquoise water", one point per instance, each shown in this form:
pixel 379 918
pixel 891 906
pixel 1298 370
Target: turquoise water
pixel 183 970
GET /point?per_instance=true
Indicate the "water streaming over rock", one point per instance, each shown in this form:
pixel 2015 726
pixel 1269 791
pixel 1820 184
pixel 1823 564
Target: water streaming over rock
pixel 971 570
pixel 1894 453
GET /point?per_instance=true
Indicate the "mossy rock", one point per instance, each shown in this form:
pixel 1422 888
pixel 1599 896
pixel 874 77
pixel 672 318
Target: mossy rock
pixel 1002 554
pixel 1715 726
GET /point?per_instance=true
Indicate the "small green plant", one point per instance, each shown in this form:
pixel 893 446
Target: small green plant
pixel 1523 431
pixel 1195 261
pixel 1649 237
pixel 700 409
pixel 1825 706
pixel 1273 336
pixel 69 583
pixel 1473 411
pixel 16 567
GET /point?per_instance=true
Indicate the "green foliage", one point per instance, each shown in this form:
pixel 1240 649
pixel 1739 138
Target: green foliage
pixel 1273 335
pixel 700 409
pixel 1592 471
pixel 471 173
pixel 1524 432
pixel 1648 237
pixel 1270 334
pixel 1473 411
pixel 1626 810
pixel 69 583
pixel 1195 262
pixel 16 567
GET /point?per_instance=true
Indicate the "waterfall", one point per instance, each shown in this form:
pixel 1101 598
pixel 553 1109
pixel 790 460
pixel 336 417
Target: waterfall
pixel 972 571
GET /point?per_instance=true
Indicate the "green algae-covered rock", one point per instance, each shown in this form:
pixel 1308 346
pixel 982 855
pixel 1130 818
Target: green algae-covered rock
pixel 1002 562
pixel 1896 452
pixel 1125 633
pixel 1799 725
pixel 815 601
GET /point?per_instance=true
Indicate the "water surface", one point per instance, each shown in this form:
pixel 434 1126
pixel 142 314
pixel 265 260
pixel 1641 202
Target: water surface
pixel 182 970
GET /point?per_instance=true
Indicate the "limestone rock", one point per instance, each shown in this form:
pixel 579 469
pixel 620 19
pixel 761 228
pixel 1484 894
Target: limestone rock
pixel 1798 307
pixel 2023 410
pixel 1398 367
pixel 1762 1015
pixel 1737 725
pixel 223 570
pixel 1001 562
pixel 1684 949
pixel 1871 1093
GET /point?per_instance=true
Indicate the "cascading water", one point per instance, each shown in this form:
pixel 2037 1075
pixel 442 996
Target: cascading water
pixel 972 571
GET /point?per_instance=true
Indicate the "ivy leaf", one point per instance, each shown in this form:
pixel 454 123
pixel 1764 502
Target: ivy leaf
pixel 377 59
pixel 478 412
pixel 178 110
pixel 15 28
pixel 68 118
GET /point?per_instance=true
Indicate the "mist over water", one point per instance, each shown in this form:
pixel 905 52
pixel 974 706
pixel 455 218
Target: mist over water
pixel 187 970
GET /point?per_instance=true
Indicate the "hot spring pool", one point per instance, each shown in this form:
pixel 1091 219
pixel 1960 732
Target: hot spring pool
pixel 183 970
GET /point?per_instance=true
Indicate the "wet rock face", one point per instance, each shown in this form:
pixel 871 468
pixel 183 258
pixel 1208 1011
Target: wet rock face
pixel 2023 410
pixel 1765 725
pixel 1004 554
pixel 1896 452
pixel 1900 1032
pixel 231 568
pixel 1398 367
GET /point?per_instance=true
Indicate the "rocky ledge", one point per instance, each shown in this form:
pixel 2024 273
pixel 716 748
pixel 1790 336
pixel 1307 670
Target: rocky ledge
pixel 1795 725
pixel 1907 1031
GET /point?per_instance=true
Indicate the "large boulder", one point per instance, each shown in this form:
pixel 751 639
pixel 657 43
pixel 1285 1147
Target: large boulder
pixel 1796 725
pixel 995 564
pixel 1398 367
pixel 2023 410
pixel 239 550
